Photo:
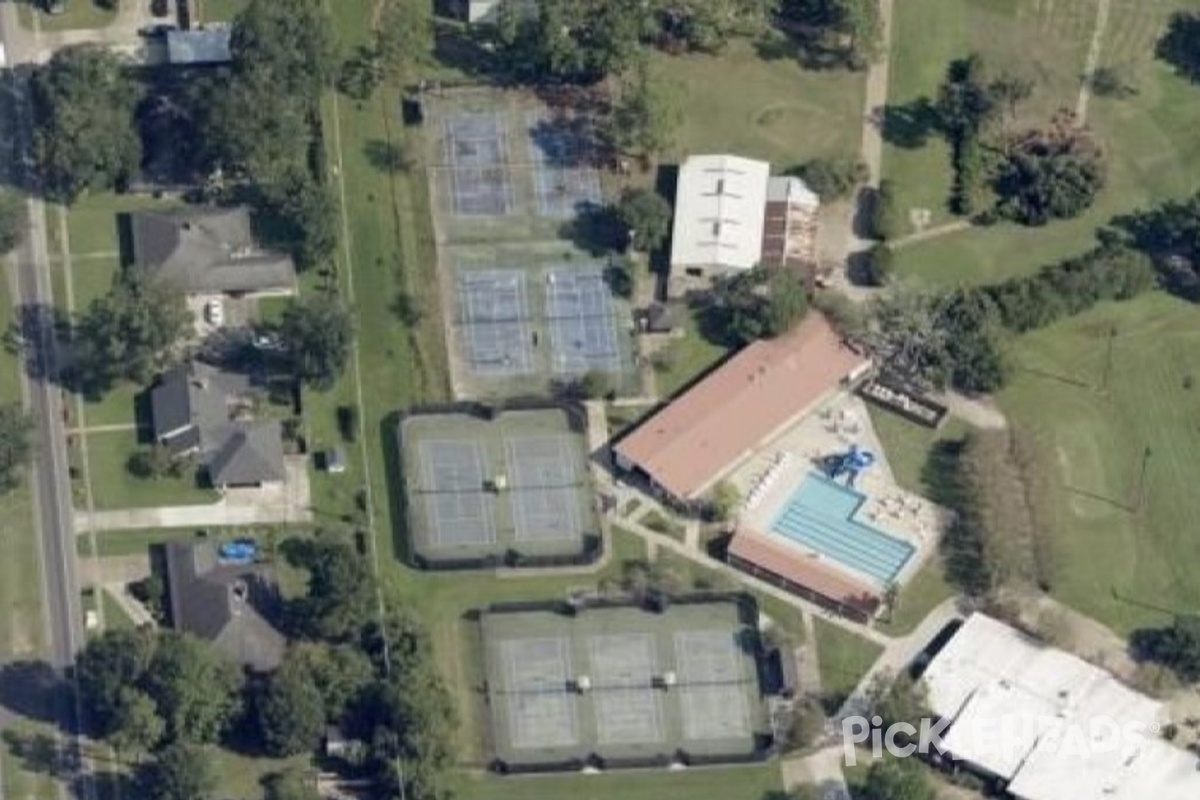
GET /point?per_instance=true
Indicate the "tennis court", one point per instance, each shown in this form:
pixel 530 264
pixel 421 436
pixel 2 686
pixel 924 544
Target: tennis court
pixel 485 489
pixel 559 149
pixel 494 322
pixel 625 676
pixel 583 321
pixel 476 151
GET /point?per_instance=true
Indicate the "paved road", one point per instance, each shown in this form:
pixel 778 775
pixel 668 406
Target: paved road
pixel 52 489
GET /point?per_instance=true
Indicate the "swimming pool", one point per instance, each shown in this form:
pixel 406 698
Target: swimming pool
pixel 820 516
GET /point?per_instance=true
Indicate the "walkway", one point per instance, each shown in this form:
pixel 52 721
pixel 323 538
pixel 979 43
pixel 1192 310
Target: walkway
pixel 1093 61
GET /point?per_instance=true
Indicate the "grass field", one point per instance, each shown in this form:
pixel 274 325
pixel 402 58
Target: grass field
pixel 79 14
pixel 755 782
pixel 926 590
pixel 1149 138
pixel 687 357
pixel 738 102
pixel 842 659
pixel 218 10
pixel 115 617
pixel 114 487
pixel 1123 566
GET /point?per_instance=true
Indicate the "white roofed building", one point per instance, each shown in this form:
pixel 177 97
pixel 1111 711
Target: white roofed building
pixel 1049 724
pixel 720 205
pixel 731 216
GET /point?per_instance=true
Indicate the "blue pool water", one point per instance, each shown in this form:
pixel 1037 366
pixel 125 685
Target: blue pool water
pixel 820 515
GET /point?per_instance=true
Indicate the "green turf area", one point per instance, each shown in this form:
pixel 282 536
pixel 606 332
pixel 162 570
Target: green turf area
pixel 79 14
pixel 218 10
pixel 128 543
pixel 687 357
pixel 115 617
pixel 115 407
pixel 1148 138
pixel 92 223
pixel 114 487
pixel 908 446
pixel 842 659
pixel 1120 565
pixel 754 782
pixel 242 776
pixel 544 508
pixel 924 592
pixel 738 102
pixel 91 278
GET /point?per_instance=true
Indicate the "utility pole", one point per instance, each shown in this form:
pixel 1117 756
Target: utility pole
pixel 1108 359
pixel 1141 501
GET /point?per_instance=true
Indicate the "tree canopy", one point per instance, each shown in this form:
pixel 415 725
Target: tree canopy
pixel 291 710
pixel 12 221
pixel 341 591
pixel 1050 174
pixel 195 688
pixel 318 333
pixel 85 139
pixel 180 771
pixel 1180 45
pixel 757 304
pixel 1176 646
pixel 835 33
pixel 129 332
pixel 644 116
pixel 15 445
pixel 647 217
pixel 896 779
pixel 833 178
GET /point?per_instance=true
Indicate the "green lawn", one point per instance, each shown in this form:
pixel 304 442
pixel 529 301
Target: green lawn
pixel 116 407
pixel 242 776
pixel 687 357
pixel 1122 567
pixel 1149 138
pixel 926 590
pixel 218 10
pixel 755 782
pixel 79 14
pixel 908 445
pixel 114 487
pixel 92 222
pixel 115 617
pixel 91 278
pixel 737 102
pixel 842 658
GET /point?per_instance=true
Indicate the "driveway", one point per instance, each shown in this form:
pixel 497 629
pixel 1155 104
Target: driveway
pixel 286 503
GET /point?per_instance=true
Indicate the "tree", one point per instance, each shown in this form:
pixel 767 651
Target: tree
pixel 291 712
pixel 84 101
pixel 724 501
pixel 109 663
pixel 318 333
pixel 128 333
pixel 644 116
pixel 341 592
pixel 884 219
pixel 1170 234
pixel 787 301
pixel 647 217
pixel 338 673
pixel 290 785
pixel 832 178
pixel 708 25
pixel 878 265
pixel 898 698
pixel 1050 174
pixel 757 304
pixel 965 103
pixel 12 221
pixel 291 41
pixel 1176 647
pixel 404 36
pixel 806 725
pixel 181 771
pixel 1180 45
pixel 1112 81
pixel 195 688
pixel 15 445
pixel 153 462
pixel 832 33
pixel 137 725
pixel 896 779
pixel 361 73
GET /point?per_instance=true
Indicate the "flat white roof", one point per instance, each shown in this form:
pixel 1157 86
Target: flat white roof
pixel 720 205
pixel 1055 726
pixel 789 189
pixel 208 45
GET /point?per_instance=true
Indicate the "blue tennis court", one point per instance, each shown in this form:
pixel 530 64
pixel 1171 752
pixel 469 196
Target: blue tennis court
pixel 820 516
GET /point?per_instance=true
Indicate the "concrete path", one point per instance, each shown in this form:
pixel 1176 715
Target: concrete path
pixel 935 232
pixel 898 654
pixel 1093 61
pixel 981 412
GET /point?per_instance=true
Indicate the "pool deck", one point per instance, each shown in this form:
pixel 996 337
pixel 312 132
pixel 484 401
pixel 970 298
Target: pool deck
pixel 831 429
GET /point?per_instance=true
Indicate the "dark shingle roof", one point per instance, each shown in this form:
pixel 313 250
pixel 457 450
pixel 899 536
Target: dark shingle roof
pixel 227 604
pixel 208 250
pixel 247 453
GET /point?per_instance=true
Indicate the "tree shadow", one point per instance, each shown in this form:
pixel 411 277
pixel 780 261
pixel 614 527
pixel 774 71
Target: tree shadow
pixel 909 125
pixel 595 229
pixel 42 753
pixel 466 49
pixel 387 156
pixel 33 689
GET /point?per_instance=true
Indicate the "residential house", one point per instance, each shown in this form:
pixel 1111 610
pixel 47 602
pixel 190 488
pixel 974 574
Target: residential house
pixel 226 603
pixel 201 410
pixel 206 251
